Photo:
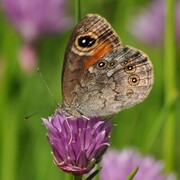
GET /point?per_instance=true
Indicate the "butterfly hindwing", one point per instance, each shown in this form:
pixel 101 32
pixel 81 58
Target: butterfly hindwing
pixel 118 80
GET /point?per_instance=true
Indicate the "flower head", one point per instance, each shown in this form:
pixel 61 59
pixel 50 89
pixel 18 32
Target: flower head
pixel 77 144
pixel 32 18
pixel 118 165
pixel 148 25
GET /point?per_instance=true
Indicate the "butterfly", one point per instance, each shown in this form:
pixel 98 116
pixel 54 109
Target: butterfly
pixel 101 76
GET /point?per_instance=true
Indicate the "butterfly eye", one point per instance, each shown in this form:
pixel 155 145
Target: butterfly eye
pixel 101 64
pixel 134 80
pixel 86 41
pixel 129 93
pixel 112 64
pixel 86 29
pixel 125 63
pixel 130 69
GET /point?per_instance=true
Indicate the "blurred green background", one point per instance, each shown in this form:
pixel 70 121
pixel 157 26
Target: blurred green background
pixel 152 126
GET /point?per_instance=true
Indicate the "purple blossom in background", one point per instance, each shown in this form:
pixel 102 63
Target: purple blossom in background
pixel 33 18
pixel 148 25
pixel 118 165
pixel 27 57
pixel 77 144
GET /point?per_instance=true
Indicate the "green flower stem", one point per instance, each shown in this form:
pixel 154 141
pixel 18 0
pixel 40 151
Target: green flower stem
pixel 120 24
pixel 78 11
pixel 169 83
pixel 78 177
pixel 160 120
pixel 8 112
pixel 97 167
pixel 133 173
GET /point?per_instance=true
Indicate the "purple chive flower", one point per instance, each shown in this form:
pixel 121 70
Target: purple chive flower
pixel 77 144
pixel 33 18
pixel 118 165
pixel 148 25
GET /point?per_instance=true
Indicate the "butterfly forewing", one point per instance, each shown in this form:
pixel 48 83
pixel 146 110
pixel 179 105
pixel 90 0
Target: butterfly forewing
pixel 91 39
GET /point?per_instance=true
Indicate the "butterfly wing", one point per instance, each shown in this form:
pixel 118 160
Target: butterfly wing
pixel 91 39
pixel 118 80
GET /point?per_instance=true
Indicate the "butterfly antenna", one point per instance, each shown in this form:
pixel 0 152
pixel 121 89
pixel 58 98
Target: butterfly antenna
pixel 49 91
pixel 29 116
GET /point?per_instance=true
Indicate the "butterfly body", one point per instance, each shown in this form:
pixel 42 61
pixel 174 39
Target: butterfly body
pixel 100 75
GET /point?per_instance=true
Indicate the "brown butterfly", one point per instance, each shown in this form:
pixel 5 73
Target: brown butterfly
pixel 100 75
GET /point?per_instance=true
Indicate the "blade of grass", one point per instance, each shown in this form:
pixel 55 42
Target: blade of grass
pixel 133 173
pixel 78 10
pixel 161 119
pixel 169 83
pixel 9 124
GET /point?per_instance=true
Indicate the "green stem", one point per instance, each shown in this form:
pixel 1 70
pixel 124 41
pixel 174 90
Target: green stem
pixel 121 24
pixel 160 120
pixel 78 11
pixel 78 177
pixel 169 83
pixel 8 111
pixel 133 173
pixel 97 167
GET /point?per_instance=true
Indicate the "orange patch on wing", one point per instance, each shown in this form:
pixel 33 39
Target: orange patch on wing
pixel 101 51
